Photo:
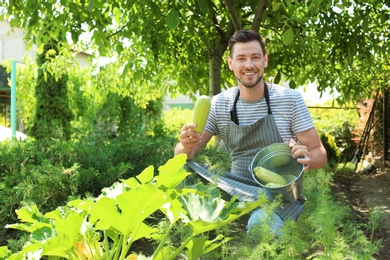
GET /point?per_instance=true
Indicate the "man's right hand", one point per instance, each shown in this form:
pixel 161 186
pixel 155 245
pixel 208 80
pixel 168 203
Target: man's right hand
pixel 191 142
pixel 189 138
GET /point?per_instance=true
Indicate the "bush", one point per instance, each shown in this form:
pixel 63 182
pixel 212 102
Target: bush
pixel 49 172
pixel 338 123
pixel 332 151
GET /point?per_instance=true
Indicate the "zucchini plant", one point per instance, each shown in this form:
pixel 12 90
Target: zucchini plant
pixel 107 226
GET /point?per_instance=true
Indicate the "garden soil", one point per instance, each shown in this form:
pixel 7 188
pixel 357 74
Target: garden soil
pixel 363 192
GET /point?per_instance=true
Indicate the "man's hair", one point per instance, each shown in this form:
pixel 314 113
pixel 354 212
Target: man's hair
pixel 246 36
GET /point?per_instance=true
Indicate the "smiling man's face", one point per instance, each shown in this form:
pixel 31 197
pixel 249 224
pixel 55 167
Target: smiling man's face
pixel 248 62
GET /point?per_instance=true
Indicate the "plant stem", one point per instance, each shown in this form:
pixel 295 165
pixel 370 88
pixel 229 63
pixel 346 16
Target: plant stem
pixel 124 247
pixel 118 246
pixel 162 242
pixel 183 245
pixel 112 251
pixel 128 242
pixel 106 246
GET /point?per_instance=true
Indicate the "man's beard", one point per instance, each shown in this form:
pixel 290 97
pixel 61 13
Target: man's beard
pixel 252 85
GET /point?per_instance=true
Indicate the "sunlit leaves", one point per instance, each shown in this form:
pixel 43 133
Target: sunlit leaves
pixel 206 213
pixel 307 41
pixel 200 245
pixel 120 213
pixel 166 179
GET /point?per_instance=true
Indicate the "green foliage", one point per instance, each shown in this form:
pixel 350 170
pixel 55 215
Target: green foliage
pixel 172 46
pixel 376 215
pixel 72 231
pixel 332 151
pixel 49 172
pixel 218 160
pixel 53 114
pixel 137 120
pixel 337 123
pixel 175 118
pixel 325 230
pixel 98 111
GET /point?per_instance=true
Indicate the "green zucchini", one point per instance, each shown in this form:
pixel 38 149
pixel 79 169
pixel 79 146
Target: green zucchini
pixel 201 112
pixel 289 177
pixel 280 160
pixel 273 185
pixel 267 176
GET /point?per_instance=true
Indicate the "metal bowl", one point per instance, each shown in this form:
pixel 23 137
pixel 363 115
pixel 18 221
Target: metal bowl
pixel 277 158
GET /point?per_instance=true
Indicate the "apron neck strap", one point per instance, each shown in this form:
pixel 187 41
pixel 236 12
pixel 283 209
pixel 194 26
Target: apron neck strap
pixel 233 112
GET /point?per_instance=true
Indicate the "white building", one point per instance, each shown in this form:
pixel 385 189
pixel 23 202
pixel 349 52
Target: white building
pixel 12 44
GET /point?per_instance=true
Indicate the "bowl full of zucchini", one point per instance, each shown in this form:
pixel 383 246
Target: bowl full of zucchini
pixel 276 171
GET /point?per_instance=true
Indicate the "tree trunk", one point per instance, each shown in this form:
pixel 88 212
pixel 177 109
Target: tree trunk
pixel 386 127
pixel 215 64
pixel 216 60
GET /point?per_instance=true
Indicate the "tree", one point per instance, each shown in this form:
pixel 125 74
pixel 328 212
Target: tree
pixel 53 114
pixel 182 45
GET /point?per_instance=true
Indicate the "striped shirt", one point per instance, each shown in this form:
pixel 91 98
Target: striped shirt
pixel 289 110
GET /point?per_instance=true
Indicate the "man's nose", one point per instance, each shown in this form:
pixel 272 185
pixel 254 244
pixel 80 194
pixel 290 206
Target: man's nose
pixel 249 63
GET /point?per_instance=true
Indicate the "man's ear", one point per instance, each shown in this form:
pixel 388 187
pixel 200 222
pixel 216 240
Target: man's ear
pixel 265 61
pixel 230 60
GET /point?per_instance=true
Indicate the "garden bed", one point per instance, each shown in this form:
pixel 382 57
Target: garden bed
pixel 362 193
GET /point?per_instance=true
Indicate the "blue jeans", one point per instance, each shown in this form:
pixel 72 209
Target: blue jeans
pixel 259 215
pixel 273 220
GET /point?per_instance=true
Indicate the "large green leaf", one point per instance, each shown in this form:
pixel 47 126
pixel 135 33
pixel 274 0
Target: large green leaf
pixel 205 213
pixel 32 220
pixel 172 173
pixel 195 247
pixel 128 210
pixel 84 205
pixel 144 177
pixel 29 214
pixel 4 252
pixel 117 189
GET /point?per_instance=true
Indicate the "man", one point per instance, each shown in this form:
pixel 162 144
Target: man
pixel 251 116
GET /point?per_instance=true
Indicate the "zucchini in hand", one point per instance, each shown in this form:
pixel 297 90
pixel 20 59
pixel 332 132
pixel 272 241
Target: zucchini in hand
pixel 201 112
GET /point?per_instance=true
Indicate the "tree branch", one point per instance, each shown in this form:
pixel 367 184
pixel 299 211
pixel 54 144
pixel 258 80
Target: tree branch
pixel 259 14
pixel 233 14
pixel 118 31
pixel 214 20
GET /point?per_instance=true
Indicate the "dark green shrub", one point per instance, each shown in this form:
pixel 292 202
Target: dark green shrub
pixel 53 114
pixel 50 172
pixel 333 152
